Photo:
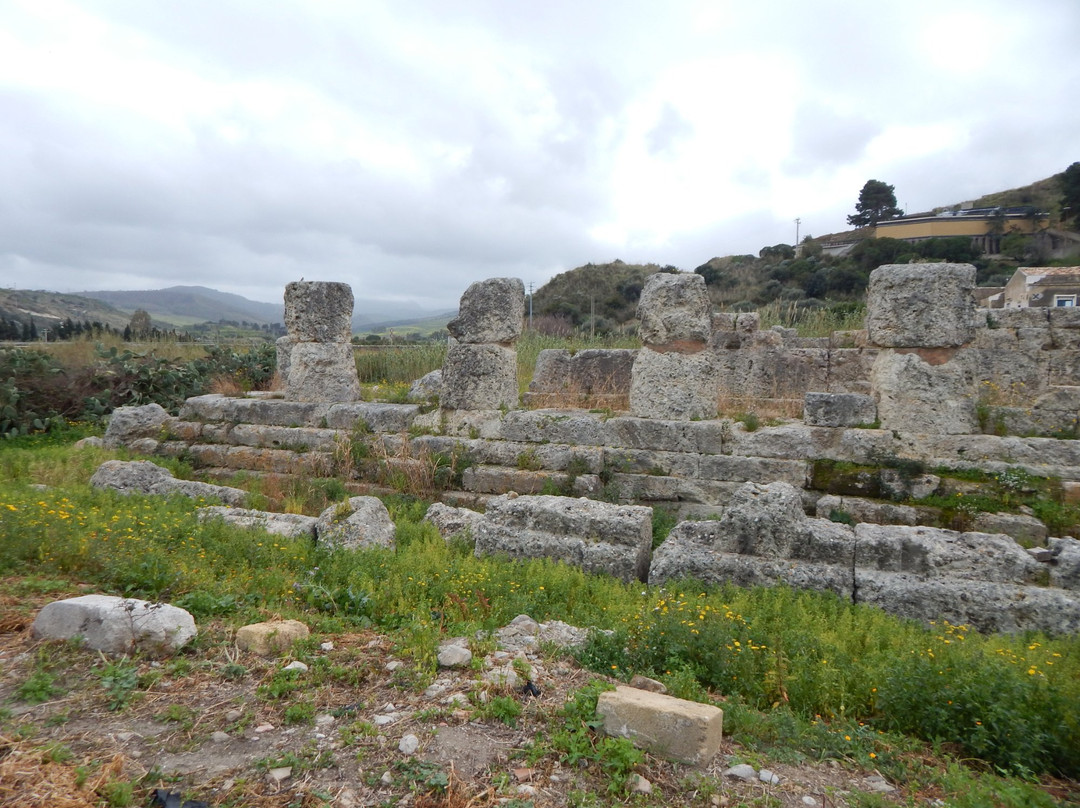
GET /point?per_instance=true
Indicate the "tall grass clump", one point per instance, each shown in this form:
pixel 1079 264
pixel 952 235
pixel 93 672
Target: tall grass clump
pixel 814 321
pixel 376 364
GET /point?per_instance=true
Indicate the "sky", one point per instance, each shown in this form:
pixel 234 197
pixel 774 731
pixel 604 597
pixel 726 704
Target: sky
pixel 413 147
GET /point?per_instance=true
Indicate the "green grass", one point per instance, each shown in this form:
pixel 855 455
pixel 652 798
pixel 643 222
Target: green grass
pixel 1011 701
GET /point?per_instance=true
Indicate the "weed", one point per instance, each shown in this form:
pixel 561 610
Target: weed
pixel 299 712
pixel 749 420
pixel 119 679
pixel 40 686
pixel 529 460
pixel 501 708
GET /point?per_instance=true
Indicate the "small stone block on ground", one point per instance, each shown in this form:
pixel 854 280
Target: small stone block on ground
pixel 680 730
pixel 270 638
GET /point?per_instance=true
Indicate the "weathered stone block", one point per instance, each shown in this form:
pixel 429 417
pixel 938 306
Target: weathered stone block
pixel 127 424
pixel 293 525
pixel 673 385
pixel 596 536
pixel 491 311
pixel 839 409
pixel 753 469
pixel 674 308
pixel 116 625
pixel 376 416
pixel 680 730
pixel 144 477
pixel 318 311
pixel 937 553
pixel 1065 572
pixel 479 377
pixel 916 396
pixel 270 638
pixel 357 522
pixel 323 372
pixel 277 437
pixel 571 427
pixel 921 305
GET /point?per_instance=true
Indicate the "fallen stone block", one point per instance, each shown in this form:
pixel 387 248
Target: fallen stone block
pixel 115 625
pixel 128 424
pixel 680 730
pixel 270 638
pixel 356 523
pixel 144 477
pixel 292 525
pixel 596 536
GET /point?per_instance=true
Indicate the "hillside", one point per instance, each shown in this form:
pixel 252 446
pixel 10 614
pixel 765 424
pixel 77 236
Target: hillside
pixel 49 308
pixel 610 290
pixel 185 305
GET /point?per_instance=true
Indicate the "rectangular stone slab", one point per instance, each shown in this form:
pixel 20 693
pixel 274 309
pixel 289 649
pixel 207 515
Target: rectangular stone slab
pixel 678 729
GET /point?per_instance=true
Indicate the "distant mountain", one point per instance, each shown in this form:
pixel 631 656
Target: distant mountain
pixel 186 305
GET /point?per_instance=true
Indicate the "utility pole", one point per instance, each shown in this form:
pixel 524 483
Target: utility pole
pixel 798 221
pixel 530 304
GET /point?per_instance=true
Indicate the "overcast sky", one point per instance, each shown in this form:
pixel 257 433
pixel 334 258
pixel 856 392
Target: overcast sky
pixel 411 147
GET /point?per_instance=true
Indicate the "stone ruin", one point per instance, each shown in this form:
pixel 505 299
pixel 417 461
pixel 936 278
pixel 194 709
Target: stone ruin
pixel 315 359
pixel 932 382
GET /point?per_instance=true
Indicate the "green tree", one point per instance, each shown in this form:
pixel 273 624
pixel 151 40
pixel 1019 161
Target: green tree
pixel 1070 193
pixel 140 324
pixel 877 201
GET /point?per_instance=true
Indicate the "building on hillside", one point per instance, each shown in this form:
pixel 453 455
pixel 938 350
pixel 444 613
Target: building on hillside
pixel 985 226
pixel 1032 287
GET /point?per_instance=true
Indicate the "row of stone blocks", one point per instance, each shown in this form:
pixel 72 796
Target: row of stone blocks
pixel 764 538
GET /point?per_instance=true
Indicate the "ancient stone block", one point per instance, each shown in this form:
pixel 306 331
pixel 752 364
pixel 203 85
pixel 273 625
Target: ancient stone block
pixel 277 437
pixel 674 308
pixel 681 730
pixel 596 536
pixel 323 372
pixel 270 638
pixel 571 427
pixel 921 305
pixel 293 525
pixel 934 553
pixel 839 409
pixel 357 522
pixel 452 522
pixel 872 511
pixel 753 469
pixel 673 385
pixel 1065 572
pixel 144 477
pixel 283 356
pixel 479 377
pixel 318 311
pixel 376 416
pixel 115 625
pixel 916 396
pixel 491 311
pixel 127 424
pixel 1021 528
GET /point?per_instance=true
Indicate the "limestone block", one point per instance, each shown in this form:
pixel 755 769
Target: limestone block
pixel 849 370
pixel 563 379
pixel 921 305
pixel 867 510
pixel 596 536
pixel 357 522
pixel 323 372
pixel 210 407
pixel 839 409
pixel 491 311
pixel 293 525
pixel 534 456
pixel 674 308
pixel 747 322
pixel 283 356
pixel 127 424
pixel 781 442
pixel 282 436
pixel 318 311
pixel 673 385
pixel 916 396
pixel 278 461
pixel 1027 317
pixel 499 480
pixel 479 377
pixel 116 625
pixel 671 490
pixel 270 638
pixel 1063 317
pixel 643 461
pixel 754 469
pixel 277 412
pixel 571 427
pixel 938 553
pixel 451 521
pixel 1065 572
pixel 551 374
pixel 988 607
pixel 189 431
pixel 375 415
pixel 144 477
pixel 648 433
pixel 209 454
pixel 427 388
pixel 680 730
pixel 897 485
pixel 1019 527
